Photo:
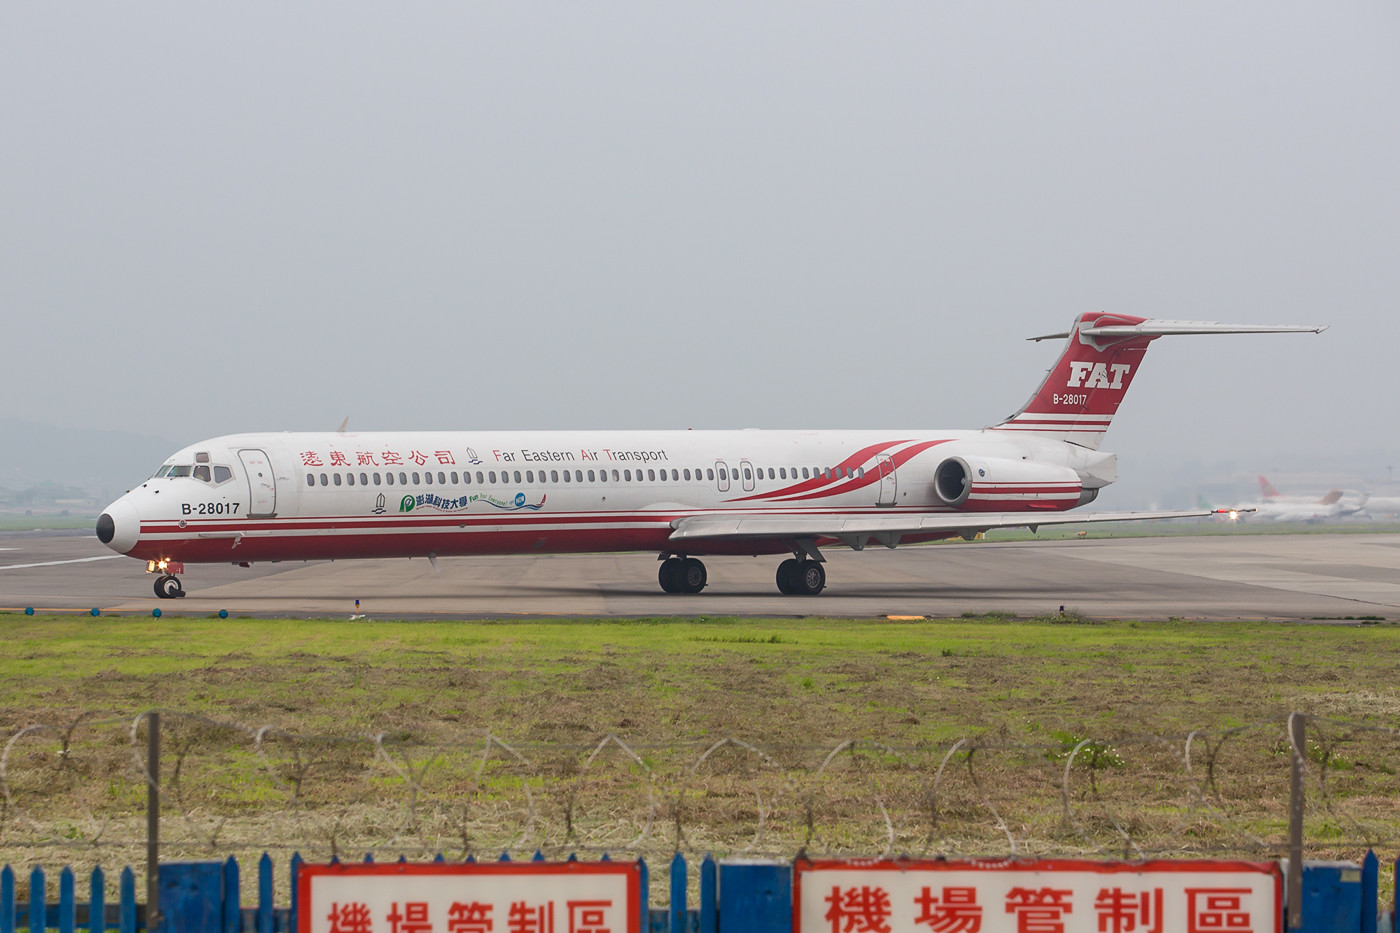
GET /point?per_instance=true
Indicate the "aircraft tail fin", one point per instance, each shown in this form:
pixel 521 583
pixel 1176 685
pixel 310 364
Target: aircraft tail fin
pixel 1266 488
pixel 1082 391
pixel 1333 497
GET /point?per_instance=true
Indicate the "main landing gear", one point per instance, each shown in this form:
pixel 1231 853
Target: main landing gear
pixel 168 587
pixel 801 577
pixel 796 577
pixel 682 575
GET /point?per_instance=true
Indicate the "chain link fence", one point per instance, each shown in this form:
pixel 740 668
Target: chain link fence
pixel 76 792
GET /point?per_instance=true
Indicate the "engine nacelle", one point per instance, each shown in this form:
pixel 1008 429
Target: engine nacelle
pixel 993 484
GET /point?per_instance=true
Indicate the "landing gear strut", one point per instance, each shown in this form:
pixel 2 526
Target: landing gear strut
pixel 682 575
pixel 801 577
pixel 168 587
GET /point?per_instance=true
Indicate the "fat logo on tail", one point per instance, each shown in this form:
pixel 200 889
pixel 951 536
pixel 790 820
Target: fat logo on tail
pixel 1082 391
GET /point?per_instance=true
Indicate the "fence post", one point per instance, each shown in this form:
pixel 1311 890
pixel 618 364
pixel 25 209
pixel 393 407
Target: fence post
pixel 126 903
pixel 292 917
pixel 709 920
pixel 97 902
pixel 38 897
pixel 1297 739
pixel 7 900
pixel 233 904
pixel 265 894
pixel 1370 883
pixel 153 820
pixel 676 909
pixel 67 902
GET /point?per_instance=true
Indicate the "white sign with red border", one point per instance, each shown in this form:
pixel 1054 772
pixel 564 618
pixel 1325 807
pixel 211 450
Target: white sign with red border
pixel 1040 896
pixel 472 897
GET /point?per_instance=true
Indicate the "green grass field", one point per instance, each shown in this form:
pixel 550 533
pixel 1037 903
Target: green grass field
pixel 967 736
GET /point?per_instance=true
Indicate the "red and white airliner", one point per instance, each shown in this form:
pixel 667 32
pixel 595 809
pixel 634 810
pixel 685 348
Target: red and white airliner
pixel 682 494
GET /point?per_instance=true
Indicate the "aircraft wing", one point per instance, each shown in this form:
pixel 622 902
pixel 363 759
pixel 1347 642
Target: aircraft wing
pixel 856 531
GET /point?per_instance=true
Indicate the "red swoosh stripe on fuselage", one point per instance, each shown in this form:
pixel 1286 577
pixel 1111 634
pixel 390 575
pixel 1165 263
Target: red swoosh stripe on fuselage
pixel 836 487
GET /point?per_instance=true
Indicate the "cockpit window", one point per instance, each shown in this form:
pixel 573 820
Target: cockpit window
pixel 162 471
pixel 222 474
pixel 182 470
pixel 201 472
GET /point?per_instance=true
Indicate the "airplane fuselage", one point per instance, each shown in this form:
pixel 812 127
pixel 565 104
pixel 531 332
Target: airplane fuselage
pixel 260 497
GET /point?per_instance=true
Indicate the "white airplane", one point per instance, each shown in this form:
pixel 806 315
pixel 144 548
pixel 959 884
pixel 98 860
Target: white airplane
pixel 1280 508
pixel 681 494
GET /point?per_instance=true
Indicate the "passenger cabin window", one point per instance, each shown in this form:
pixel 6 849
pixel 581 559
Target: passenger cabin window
pixel 376 479
pixel 336 477
pixel 389 478
pixel 349 479
pixel 416 480
pixel 325 481
pixel 403 479
pixel 311 479
pixel 442 479
pixel 427 478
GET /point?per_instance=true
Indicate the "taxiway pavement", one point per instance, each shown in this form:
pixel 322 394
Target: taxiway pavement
pixel 1291 577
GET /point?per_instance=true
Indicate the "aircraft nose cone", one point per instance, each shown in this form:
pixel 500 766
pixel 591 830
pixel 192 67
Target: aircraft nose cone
pixel 119 526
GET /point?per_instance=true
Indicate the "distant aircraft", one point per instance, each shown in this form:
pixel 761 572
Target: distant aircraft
pixel 681 494
pixel 1279 508
pixel 1382 505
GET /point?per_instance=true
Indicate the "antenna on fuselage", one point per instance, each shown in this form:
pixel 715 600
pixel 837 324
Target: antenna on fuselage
pixel 343 425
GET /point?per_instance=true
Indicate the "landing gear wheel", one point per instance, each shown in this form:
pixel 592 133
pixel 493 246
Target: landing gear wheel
pixel 168 587
pixel 692 575
pixel 810 578
pixel 801 577
pixel 670 576
pixel 787 576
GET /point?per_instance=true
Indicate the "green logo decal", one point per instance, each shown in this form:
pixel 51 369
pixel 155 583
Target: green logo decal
pixel 406 504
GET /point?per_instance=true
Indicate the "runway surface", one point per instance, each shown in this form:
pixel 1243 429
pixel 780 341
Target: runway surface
pixel 1313 576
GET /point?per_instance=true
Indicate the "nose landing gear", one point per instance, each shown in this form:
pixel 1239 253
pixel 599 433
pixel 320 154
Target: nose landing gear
pixel 168 587
pixel 167 584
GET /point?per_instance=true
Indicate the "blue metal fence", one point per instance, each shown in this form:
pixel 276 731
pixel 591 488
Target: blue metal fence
pixel 205 897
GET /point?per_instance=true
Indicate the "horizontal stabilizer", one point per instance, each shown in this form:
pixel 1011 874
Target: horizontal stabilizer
pixel 1153 328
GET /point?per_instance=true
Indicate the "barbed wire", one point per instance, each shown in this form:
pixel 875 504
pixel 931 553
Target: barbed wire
pixel 78 787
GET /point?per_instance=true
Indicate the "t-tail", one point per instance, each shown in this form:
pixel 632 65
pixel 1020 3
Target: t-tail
pixel 1082 392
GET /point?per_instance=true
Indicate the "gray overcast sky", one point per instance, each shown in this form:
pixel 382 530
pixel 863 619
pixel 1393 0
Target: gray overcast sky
pixel 228 217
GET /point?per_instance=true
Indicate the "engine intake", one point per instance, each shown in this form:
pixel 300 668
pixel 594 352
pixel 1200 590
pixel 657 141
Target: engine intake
pixel 993 484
